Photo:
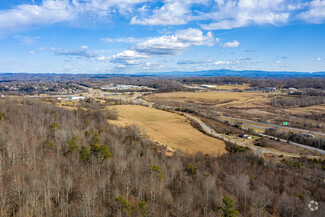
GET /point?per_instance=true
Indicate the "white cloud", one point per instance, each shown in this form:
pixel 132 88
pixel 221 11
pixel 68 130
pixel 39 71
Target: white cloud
pixel 222 14
pixel 106 5
pixel 240 13
pixel 319 59
pixel 196 37
pixel 128 57
pixel 49 12
pixel 83 52
pixel 231 44
pixel 55 11
pixel 243 58
pixel 175 44
pixel 192 62
pixel 166 45
pixel 229 62
pixel 32 52
pixel 98 58
pixel 102 58
pixel 123 40
pixel 280 59
pixel 27 40
pixel 171 13
pixel 315 12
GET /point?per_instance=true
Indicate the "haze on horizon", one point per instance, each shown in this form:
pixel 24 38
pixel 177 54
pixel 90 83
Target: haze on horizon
pixel 128 36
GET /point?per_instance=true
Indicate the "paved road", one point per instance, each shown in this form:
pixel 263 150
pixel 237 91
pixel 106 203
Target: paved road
pixel 267 125
pixel 297 144
pixel 260 151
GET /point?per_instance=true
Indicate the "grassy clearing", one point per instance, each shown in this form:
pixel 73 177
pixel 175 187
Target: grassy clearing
pixel 232 87
pixel 171 129
pixel 307 110
pixel 211 97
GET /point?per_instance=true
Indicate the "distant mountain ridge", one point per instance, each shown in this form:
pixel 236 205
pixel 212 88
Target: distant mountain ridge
pixel 243 73
pixel 7 77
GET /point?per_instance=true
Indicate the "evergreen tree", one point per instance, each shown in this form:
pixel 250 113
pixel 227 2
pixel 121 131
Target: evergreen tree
pixel 84 154
pixel 155 169
pixel 229 209
pixel 123 205
pixel 72 145
pixel 142 209
pixel 190 169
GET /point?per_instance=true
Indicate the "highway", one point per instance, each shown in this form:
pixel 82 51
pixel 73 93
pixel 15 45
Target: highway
pixel 264 126
pixel 297 144
pixel 208 130
pixel 260 151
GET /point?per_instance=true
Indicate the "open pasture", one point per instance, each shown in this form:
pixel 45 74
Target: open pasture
pixel 170 129
pixel 231 86
pixel 206 98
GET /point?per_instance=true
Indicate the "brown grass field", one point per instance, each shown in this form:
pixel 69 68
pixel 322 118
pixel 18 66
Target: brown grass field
pixel 170 129
pixel 307 110
pixel 231 87
pixel 211 97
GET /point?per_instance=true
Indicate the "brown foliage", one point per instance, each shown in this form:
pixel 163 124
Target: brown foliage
pixel 38 179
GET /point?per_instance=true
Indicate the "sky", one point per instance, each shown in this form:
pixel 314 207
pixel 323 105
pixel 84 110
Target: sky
pixel 135 36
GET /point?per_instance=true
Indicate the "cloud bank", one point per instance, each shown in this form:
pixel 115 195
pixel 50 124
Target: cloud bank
pixel 216 14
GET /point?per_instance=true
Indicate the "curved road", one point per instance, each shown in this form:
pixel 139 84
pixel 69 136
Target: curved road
pixel 260 151
pixel 256 124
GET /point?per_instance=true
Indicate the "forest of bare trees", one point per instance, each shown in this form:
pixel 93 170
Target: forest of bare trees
pixel 161 84
pixel 303 101
pixel 315 83
pixel 298 138
pixel 60 162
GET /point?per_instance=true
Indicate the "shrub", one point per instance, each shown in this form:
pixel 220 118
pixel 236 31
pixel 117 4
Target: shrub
pixel 156 170
pixel 190 169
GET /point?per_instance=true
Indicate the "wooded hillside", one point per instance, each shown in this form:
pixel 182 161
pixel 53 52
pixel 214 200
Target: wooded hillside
pixel 60 162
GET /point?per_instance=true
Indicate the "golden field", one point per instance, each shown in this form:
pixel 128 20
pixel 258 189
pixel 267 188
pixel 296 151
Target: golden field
pixel 210 98
pixel 231 87
pixel 168 128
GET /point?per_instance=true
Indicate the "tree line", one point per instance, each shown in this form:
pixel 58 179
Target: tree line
pixel 302 101
pixel 298 138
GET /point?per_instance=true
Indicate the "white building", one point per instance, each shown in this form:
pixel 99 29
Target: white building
pixel 76 98
pixel 207 86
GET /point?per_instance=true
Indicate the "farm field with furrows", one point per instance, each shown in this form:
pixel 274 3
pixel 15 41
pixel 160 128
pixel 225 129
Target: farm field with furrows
pixel 168 128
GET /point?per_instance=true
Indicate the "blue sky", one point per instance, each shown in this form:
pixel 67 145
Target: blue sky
pixel 130 36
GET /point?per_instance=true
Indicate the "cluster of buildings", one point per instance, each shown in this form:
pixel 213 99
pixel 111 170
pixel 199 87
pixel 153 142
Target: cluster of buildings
pixel 122 87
